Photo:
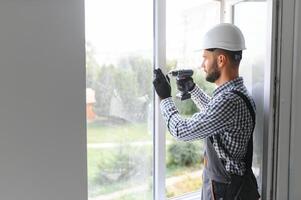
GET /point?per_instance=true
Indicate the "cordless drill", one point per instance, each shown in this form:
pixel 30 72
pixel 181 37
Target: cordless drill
pixel 180 75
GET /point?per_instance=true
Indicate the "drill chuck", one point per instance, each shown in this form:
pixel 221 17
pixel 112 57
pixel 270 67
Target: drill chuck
pixel 182 74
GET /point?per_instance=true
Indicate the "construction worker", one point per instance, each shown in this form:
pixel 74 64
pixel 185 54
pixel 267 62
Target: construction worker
pixel 225 121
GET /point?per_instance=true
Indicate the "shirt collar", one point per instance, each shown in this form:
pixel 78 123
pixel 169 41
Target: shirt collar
pixel 229 85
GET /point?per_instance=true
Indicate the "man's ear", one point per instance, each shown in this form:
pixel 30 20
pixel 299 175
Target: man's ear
pixel 221 60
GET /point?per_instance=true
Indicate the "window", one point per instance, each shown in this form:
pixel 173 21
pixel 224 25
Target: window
pixel 119 61
pixel 128 156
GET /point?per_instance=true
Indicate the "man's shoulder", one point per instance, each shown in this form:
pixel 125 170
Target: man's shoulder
pixel 228 95
pixel 231 95
pixel 225 98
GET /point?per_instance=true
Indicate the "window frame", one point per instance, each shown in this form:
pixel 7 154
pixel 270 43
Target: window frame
pixel 159 43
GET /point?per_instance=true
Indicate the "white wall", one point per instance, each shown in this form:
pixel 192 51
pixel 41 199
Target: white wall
pixel 42 102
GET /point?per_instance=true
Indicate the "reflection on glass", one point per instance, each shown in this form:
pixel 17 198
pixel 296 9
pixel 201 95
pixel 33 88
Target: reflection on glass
pixel 186 23
pixel 251 18
pixel 119 95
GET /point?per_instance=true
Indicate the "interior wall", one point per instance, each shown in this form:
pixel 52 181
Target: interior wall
pixel 42 103
pixel 287 175
pixel 295 149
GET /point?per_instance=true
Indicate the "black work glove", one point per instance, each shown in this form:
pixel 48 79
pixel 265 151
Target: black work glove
pixel 161 84
pixel 185 85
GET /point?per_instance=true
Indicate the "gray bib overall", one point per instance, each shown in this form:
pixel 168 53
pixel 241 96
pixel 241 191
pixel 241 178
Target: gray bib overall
pixel 213 170
pixel 215 173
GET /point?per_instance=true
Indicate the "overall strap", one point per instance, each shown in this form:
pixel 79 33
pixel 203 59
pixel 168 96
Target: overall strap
pixel 249 154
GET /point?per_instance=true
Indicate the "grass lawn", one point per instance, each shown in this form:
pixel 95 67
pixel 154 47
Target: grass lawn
pixel 120 133
pixel 131 132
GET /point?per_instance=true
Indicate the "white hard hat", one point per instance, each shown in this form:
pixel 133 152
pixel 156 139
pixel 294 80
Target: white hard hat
pixel 224 36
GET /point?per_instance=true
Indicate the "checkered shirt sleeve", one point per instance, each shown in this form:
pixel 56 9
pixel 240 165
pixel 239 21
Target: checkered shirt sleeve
pixel 216 118
pixel 199 97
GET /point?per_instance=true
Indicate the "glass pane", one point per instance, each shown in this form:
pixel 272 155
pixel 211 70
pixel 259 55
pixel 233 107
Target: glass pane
pixel 119 61
pixel 186 23
pixel 251 18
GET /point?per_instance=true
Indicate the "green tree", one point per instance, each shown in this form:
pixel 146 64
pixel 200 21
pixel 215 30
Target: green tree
pixel 91 65
pixel 104 86
pixel 129 81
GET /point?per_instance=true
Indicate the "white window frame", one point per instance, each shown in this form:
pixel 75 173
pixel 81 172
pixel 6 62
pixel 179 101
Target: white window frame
pixel 159 126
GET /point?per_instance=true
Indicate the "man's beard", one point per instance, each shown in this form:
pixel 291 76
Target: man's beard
pixel 214 74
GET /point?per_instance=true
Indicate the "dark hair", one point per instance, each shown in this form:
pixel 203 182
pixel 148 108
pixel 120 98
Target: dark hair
pixel 234 56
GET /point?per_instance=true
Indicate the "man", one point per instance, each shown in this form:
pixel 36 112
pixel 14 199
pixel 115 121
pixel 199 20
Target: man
pixel 225 121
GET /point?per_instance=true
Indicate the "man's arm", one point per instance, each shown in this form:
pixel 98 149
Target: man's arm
pixel 215 118
pixel 199 97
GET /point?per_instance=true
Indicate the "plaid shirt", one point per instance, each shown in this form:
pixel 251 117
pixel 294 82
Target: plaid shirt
pixel 224 113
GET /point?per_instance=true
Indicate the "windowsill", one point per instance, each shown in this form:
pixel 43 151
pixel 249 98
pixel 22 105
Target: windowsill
pixel 190 196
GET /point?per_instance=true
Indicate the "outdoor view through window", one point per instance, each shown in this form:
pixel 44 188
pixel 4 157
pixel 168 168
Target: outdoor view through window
pixel 119 62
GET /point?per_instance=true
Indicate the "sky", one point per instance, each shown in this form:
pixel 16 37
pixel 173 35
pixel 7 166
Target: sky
pixel 118 26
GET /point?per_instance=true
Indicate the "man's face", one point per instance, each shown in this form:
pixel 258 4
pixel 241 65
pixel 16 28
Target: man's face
pixel 210 66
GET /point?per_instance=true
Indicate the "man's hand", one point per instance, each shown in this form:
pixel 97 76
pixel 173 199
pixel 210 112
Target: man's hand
pixel 185 85
pixel 161 84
